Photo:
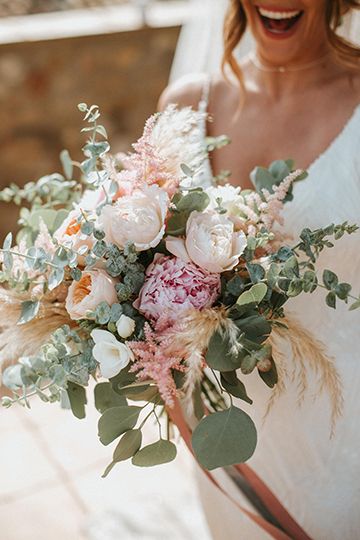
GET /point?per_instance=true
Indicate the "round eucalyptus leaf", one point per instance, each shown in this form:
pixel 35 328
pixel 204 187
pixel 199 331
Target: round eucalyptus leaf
pixel 155 454
pixel 224 438
pixel 254 295
pixel 218 355
pixel 106 397
pixel 115 421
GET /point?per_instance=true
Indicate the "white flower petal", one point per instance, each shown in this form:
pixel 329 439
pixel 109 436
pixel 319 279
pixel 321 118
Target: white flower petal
pixel 125 326
pixel 176 246
pixel 101 336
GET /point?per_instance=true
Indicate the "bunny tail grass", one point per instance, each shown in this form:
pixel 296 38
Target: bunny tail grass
pixel 308 353
pixel 26 340
pixel 191 338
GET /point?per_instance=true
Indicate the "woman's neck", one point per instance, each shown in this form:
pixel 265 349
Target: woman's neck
pixel 293 78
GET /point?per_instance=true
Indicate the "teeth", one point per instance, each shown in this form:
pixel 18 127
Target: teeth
pixel 278 15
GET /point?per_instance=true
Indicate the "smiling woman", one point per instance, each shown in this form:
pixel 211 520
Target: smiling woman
pixel 279 22
pixel 300 98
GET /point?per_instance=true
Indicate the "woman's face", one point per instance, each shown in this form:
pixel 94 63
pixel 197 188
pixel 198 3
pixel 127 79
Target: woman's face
pixel 287 30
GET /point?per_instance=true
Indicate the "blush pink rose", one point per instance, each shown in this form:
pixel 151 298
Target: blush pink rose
pixel 173 286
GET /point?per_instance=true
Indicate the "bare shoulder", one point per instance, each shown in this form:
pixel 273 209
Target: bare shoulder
pixel 185 92
pixel 188 91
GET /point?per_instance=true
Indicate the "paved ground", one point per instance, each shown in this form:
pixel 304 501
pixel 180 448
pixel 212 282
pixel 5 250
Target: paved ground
pixel 51 485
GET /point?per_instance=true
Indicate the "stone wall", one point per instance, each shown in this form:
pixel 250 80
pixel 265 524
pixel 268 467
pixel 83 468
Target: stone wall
pixel 41 84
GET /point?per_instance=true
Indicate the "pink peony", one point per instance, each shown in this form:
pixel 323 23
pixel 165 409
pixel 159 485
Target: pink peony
pixel 173 286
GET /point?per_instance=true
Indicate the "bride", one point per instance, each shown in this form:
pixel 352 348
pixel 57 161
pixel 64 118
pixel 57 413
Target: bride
pixel 296 94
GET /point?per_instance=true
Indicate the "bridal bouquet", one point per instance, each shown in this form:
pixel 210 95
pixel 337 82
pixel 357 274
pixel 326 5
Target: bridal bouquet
pixel 162 289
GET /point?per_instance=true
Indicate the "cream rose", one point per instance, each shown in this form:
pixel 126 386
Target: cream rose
pixel 211 242
pixel 69 234
pixel 94 287
pixel 111 354
pixel 138 218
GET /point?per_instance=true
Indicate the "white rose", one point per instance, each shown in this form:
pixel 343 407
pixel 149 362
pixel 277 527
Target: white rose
pixel 211 242
pixel 94 287
pixel 112 355
pixel 125 326
pixel 138 218
pixel 69 234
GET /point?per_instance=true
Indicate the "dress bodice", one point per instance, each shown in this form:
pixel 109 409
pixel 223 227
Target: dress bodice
pixel 316 477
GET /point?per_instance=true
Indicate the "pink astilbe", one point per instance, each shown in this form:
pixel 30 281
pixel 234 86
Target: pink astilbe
pixel 271 208
pixel 153 362
pixel 169 140
pixel 146 161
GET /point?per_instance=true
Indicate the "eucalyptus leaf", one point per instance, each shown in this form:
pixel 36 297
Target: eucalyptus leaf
pixel 255 295
pixel 255 327
pixel 355 305
pixel 128 445
pixel 330 279
pixel 77 398
pixel 218 355
pixel 55 278
pixel 224 438
pixel 67 163
pixel 8 241
pixel 270 377
pixel 155 454
pixel 234 386
pixel 331 300
pixel 29 310
pixel 106 397
pixel 115 421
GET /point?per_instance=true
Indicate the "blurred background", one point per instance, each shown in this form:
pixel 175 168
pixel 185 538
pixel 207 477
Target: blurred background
pixel 53 55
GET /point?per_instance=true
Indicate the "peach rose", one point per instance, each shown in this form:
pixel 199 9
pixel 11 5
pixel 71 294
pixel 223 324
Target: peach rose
pixel 94 287
pixel 69 234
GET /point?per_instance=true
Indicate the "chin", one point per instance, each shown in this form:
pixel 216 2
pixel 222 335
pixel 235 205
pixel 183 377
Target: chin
pixel 285 31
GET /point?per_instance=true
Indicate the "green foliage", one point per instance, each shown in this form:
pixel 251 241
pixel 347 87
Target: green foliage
pixel 270 377
pixel 234 386
pixel 29 311
pixel 128 445
pixel 182 206
pixel 115 421
pixel 219 355
pixel 157 453
pixel 224 438
pixel 107 398
pixel 216 143
pixel 254 295
pixel 77 398
pixel 273 176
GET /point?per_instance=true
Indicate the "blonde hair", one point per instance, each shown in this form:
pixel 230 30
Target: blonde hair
pixel 235 25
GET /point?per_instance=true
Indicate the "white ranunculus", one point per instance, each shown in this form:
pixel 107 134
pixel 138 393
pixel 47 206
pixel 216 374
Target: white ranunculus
pixel 112 355
pixel 211 242
pixel 94 287
pixel 228 194
pixel 125 326
pixel 138 218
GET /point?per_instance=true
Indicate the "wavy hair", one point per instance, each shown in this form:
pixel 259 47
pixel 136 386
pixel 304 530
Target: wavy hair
pixel 236 23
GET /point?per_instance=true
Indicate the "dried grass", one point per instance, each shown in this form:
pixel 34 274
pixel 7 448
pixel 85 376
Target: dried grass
pixel 308 354
pixel 26 340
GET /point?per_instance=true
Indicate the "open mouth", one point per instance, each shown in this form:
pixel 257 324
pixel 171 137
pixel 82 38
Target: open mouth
pixel 279 22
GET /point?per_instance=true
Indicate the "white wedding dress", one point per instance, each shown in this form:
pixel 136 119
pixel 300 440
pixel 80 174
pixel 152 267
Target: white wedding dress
pixel 317 478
